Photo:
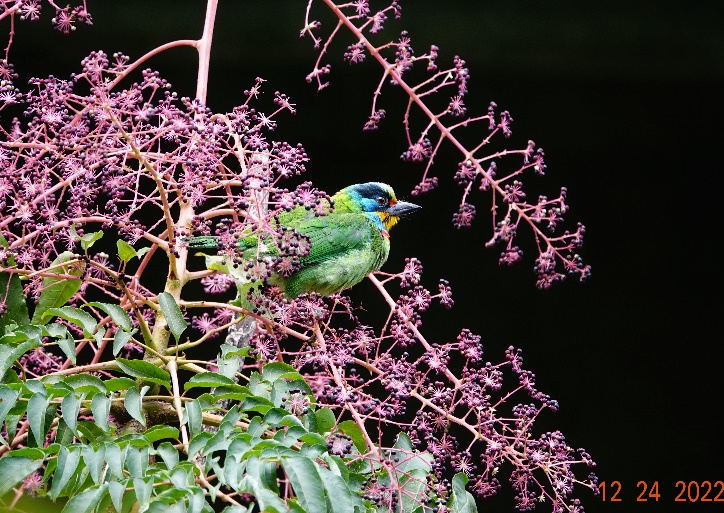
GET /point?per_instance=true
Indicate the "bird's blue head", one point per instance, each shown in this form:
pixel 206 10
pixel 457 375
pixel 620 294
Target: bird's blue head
pixel 373 198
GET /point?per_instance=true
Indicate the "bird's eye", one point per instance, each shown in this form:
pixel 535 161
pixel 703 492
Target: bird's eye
pixel 381 201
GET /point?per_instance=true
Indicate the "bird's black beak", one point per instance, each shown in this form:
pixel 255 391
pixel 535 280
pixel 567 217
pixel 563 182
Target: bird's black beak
pixel 402 208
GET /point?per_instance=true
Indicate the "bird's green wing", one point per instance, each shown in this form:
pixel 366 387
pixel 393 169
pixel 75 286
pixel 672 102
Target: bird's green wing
pixel 333 235
pixel 344 249
pixel 246 242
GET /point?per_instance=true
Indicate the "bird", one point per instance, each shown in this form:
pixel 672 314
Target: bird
pixel 345 245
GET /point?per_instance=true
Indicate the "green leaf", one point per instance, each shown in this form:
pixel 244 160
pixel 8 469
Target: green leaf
pixel 258 386
pixel 182 478
pixel 307 484
pixel 8 398
pixel 90 431
pixel 55 330
pixel 116 384
pixel 198 504
pixel 206 401
pixel 198 443
pixel 296 428
pixel 68 461
pixel 410 469
pixel 234 470
pixel 67 345
pixel 101 409
pixel 11 378
pixel 37 406
pixel 413 487
pixel 257 427
pixel 219 442
pixel 94 459
pixel 275 415
pixel 10 353
pixel 63 435
pixel 337 466
pixel 240 445
pixel 65 339
pixel 341 499
pixel 325 419
pixel 313 439
pixel 104 506
pixel 12 420
pixel 230 419
pixel 56 292
pixel 120 339
pixel 309 421
pixel 86 383
pixel 168 453
pixel 174 317
pixel 160 432
pixel 230 359
pixel 403 442
pixel 14 469
pixel 118 314
pixel 17 334
pixel 276 370
pixel 137 460
pixel 129 500
pixel 461 501
pixel 57 387
pixel 169 501
pixel 116 491
pixel 125 250
pixel 411 459
pixel 192 411
pixel 208 379
pixel 351 429
pixel 235 392
pixel 145 371
pixel 12 290
pixel 79 317
pixel 268 501
pixel 33 453
pixel 70 407
pixel 132 402
pixel 256 403
pixel 235 509
pixel 35 386
pixel 86 502
pixel 115 457
pixel 265 471
pixel 88 239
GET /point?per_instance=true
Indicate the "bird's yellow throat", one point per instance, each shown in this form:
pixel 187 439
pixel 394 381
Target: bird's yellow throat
pixel 388 219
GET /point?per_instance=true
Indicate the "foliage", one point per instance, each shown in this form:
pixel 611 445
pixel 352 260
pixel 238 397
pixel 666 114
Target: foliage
pixel 98 466
pixel 306 408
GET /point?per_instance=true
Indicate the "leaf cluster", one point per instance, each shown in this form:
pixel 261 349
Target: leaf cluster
pixel 260 452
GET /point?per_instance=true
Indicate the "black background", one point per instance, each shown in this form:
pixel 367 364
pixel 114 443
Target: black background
pixel 625 98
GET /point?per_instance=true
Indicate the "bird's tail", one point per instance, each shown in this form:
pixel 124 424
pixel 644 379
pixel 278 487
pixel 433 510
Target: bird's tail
pixel 202 242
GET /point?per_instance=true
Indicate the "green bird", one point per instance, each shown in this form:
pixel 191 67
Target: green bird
pixel 345 245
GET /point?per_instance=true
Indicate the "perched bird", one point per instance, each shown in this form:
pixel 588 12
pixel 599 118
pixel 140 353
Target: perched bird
pixel 344 246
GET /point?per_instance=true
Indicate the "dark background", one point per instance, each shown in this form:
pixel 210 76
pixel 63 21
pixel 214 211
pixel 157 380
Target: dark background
pixel 625 98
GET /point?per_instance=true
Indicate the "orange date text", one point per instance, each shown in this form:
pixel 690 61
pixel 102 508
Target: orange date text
pixel 651 491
